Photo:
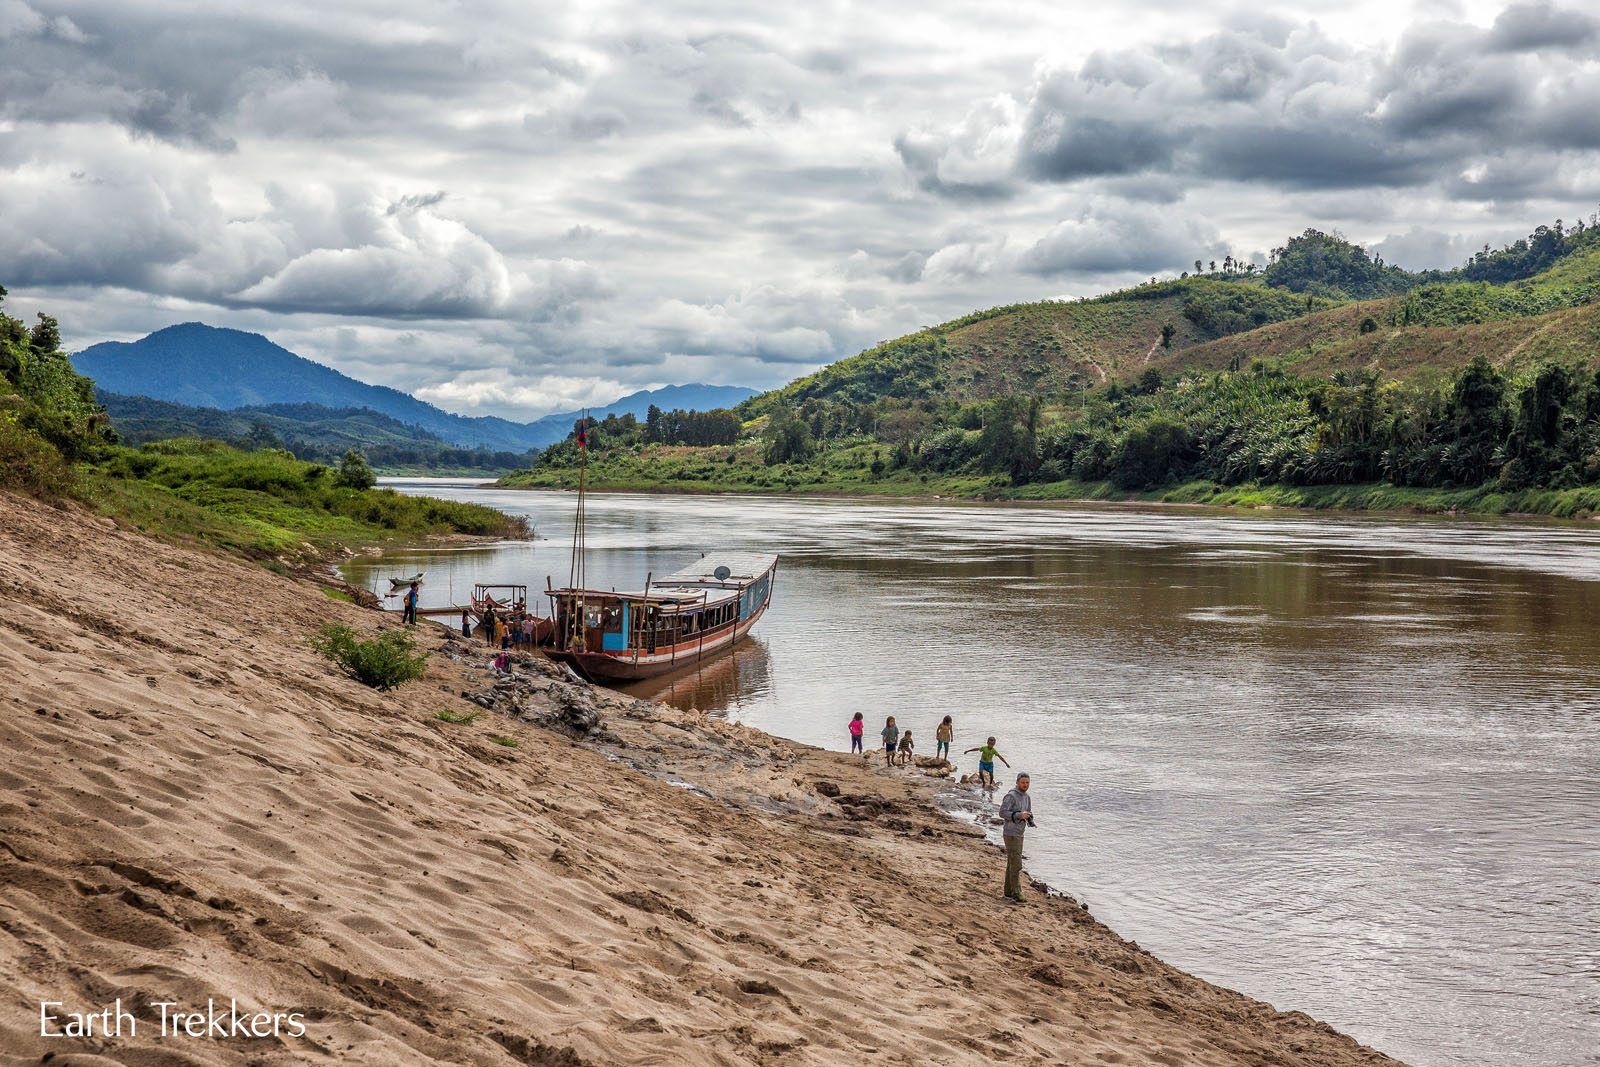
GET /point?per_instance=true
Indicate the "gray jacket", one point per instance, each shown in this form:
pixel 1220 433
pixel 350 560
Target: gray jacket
pixel 1015 810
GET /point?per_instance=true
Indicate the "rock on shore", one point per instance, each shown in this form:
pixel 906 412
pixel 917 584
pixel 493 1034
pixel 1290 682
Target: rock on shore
pixel 193 804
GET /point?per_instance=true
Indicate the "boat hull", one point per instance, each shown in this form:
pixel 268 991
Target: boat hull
pixel 626 666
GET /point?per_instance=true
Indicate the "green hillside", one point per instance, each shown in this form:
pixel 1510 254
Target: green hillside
pixel 1329 377
pixel 1048 346
pixel 56 443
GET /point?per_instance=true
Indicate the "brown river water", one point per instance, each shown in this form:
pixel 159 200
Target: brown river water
pixel 1348 765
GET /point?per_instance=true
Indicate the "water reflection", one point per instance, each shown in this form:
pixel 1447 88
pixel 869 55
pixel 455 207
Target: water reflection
pixel 722 683
pixel 1349 766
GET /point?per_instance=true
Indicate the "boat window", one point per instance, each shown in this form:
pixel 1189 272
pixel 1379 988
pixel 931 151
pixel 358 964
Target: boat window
pixel 613 620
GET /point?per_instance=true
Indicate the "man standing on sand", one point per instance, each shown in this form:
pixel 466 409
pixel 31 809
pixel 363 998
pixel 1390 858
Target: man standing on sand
pixel 1016 815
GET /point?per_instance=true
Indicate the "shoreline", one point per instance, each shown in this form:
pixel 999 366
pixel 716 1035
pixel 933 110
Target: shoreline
pixel 1131 502
pixel 551 873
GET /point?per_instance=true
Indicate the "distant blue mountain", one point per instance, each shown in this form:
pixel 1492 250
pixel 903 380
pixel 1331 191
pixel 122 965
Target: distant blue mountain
pixel 212 367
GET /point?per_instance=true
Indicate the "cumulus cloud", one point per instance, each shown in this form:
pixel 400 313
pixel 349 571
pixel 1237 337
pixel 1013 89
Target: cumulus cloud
pixel 514 209
pixel 1542 25
pixel 1123 237
pixel 1289 106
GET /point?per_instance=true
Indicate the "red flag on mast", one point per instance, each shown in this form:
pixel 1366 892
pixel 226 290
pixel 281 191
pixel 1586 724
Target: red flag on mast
pixel 583 431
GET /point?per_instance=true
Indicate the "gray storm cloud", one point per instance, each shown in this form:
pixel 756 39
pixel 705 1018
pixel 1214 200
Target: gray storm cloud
pixel 506 207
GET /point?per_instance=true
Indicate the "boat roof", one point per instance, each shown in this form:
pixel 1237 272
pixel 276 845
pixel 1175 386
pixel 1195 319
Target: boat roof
pixel 742 566
pixel 698 583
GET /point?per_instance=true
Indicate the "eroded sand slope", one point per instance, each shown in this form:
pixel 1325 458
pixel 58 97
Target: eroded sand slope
pixel 193 805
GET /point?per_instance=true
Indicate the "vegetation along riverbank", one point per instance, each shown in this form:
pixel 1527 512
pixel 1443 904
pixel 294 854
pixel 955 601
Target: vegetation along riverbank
pixel 1328 379
pixel 56 443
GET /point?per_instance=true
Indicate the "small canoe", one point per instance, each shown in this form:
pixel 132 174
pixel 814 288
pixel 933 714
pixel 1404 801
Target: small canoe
pixel 401 583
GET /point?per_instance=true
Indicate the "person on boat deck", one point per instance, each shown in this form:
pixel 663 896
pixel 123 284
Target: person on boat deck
pixel 891 738
pixel 466 623
pixel 858 726
pixel 907 746
pixel 1016 815
pixel 987 754
pixel 410 613
pixel 943 736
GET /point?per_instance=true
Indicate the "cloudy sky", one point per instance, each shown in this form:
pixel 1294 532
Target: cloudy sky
pixel 513 207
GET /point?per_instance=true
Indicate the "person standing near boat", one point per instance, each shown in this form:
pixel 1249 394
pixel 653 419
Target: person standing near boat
pixel 410 613
pixel 1016 815
pixel 943 736
pixel 891 740
pixel 858 726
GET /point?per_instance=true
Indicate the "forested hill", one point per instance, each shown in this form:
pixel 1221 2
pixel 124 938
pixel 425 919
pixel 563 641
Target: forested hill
pixel 310 431
pixel 201 366
pixel 208 366
pixel 1323 368
pixel 1330 292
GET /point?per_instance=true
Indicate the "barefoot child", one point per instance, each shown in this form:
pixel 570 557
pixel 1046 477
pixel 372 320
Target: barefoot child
pixel 857 727
pixel 906 747
pixel 943 736
pixel 987 754
pixel 891 738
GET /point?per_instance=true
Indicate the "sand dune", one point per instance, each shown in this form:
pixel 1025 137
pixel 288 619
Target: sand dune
pixel 194 805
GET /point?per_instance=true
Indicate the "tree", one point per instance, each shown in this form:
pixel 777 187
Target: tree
pixel 789 439
pixel 653 419
pixel 261 436
pixel 1168 331
pixel 46 336
pixel 354 471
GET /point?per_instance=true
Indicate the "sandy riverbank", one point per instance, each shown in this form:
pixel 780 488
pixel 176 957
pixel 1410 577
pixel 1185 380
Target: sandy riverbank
pixel 193 805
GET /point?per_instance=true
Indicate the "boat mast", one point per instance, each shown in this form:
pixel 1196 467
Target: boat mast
pixel 575 579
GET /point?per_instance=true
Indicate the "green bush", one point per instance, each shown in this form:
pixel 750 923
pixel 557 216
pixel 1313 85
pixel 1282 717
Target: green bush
pixel 388 660
pixel 355 472
pixel 29 463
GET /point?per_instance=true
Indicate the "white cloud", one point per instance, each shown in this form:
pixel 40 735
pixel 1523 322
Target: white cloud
pixel 500 205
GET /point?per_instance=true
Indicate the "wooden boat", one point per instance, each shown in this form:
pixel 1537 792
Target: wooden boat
pixel 397 584
pixel 697 612
pixel 684 618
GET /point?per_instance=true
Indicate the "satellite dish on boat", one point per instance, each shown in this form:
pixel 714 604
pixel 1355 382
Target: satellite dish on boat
pixel 722 573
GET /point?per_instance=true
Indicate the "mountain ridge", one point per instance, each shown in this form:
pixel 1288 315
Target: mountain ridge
pixel 202 366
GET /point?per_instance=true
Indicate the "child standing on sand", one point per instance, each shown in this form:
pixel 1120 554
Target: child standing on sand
pixel 987 754
pixel 906 747
pixel 891 738
pixel 943 736
pixel 858 726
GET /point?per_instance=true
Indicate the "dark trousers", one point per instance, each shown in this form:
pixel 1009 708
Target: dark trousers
pixel 1014 866
pixel 855 743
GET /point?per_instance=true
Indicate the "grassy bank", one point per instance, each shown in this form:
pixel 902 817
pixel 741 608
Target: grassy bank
pixel 686 474
pixel 267 503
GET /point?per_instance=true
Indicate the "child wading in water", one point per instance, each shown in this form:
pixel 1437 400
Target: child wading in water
pixel 987 754
pixel 906 747
pixel 944 735
pixel 857 727
pixel 891 738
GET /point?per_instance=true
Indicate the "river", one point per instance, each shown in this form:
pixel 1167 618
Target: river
pixel 1348 765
